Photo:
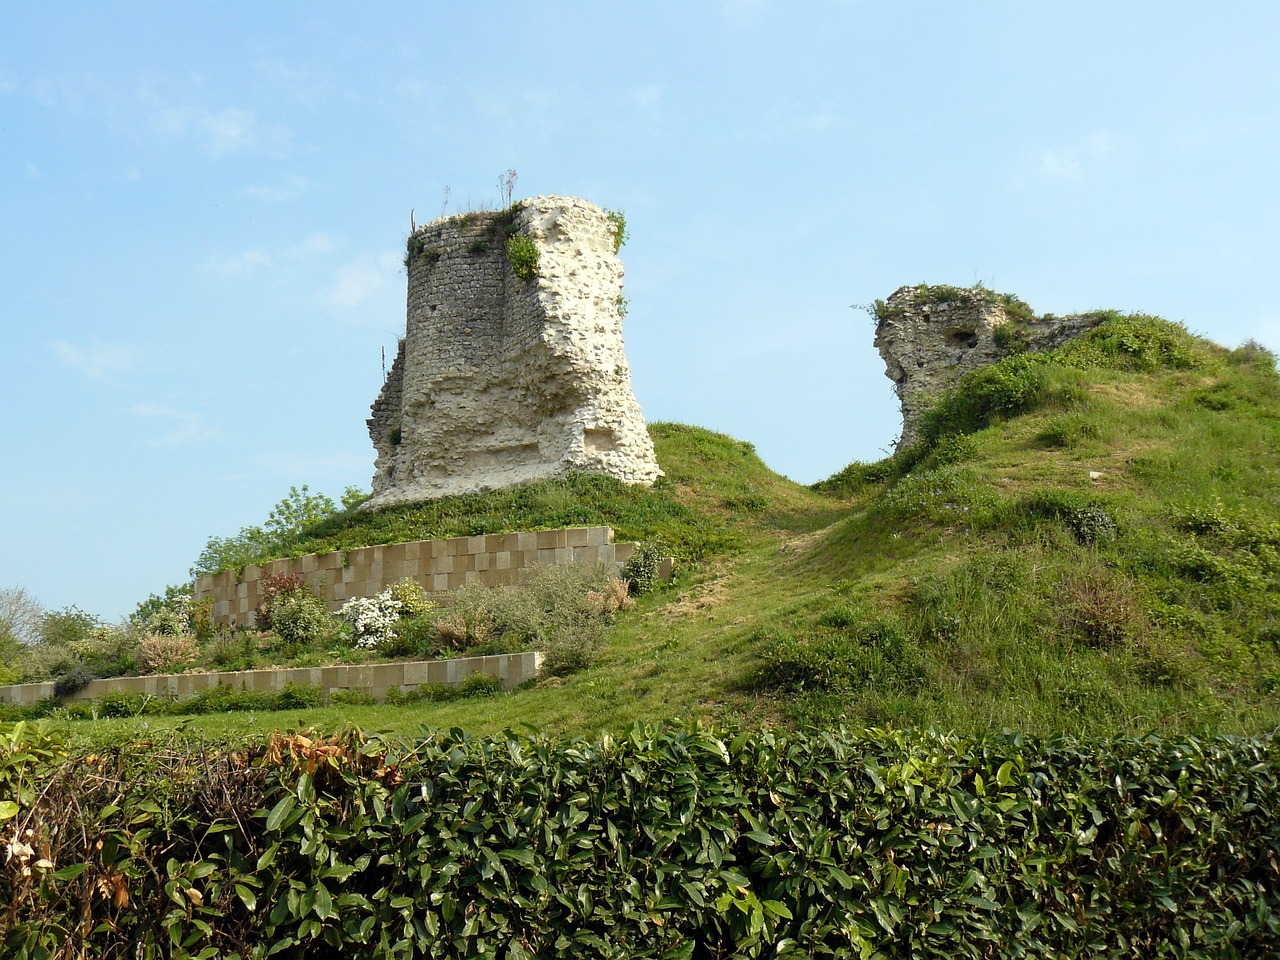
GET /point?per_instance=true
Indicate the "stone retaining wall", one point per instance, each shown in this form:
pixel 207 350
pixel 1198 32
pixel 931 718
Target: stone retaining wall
pixel 372 678
pixel 495 559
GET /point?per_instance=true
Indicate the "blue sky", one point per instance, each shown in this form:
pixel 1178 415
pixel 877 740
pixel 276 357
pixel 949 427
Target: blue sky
pixel 205 205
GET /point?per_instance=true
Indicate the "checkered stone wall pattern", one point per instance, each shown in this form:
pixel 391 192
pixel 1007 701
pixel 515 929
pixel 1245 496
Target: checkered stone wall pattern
pixel 492 560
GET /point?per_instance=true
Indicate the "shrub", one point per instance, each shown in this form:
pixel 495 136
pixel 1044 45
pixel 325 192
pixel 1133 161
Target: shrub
pixel 522 254
pixel 1089 521
pixel 641 569
pixel 377 622
pixel 414 637
pixel 412 598
pixel 120 704
pixel 291 518
pixel 355 698
pixel 372 619
pixel 743 843
pixel 1010 386
pixel 1099 606
pixel 618 220
pixel 71 682
pixel 106 651
pixel 166 653
pixel 871 652
pixel 462 627
pixel 64 627
pixel 232 651
pixel 275 588
pixel 480 685
pixel 300 617
pixel 615 596
pixel 947 495
pixel 554 611
pixel 168 622
pixel 298 696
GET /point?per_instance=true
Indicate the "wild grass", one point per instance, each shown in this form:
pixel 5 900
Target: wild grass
pixel 1097 555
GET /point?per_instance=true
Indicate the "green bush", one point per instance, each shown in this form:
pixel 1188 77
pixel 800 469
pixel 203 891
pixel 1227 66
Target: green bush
pixel 642 567
pixel 664 842
pixel 1010 386
pixel 1090 521
pixel 300 617
pixel 618 220
pixel 850 650
pixel 551 611
pixel 522 254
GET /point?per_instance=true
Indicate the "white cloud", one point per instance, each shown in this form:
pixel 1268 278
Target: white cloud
pixel 238 264
pixel 314 244
pixel 33 172
pixel 98 361
pixel 254 259
pixel 360 280
pixel 223 132
pixel 277 193
pixel 1073 161
pixel 187 427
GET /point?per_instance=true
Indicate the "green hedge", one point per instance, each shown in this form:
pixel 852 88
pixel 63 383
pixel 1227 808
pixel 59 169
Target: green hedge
pixel 669 842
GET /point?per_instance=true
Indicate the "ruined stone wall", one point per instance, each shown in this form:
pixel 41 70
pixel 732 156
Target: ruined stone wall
pixel 931 336
pixel 501 379
pixel 440 566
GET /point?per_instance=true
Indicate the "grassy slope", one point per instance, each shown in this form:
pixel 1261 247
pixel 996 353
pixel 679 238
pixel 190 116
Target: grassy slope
pixel 1088 544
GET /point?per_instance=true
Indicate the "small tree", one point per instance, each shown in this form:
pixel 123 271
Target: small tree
pixel 20 616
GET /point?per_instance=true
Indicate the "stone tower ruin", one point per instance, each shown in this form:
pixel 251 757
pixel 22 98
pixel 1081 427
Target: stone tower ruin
pixel 931 336
pixel 510 370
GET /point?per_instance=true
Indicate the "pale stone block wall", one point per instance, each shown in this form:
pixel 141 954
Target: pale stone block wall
pixel 376 679
pixel 491 560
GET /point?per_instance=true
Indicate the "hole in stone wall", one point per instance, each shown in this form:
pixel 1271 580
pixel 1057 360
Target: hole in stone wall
pixel 965 337
pixel 599 440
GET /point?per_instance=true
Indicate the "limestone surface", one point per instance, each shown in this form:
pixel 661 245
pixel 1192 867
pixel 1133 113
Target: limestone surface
pixel 931 336
pixel 501 378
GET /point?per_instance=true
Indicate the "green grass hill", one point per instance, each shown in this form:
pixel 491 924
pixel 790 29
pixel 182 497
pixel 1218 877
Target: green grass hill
pixel 1085 541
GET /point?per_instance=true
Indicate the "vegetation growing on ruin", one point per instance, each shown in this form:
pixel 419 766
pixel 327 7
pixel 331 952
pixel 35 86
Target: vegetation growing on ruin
pixel 1017 308
pixel 619 221
pixel 522 254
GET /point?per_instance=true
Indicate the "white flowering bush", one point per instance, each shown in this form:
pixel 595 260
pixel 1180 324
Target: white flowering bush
pixel 373 619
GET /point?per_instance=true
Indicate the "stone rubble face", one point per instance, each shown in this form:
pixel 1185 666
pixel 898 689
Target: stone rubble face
pixel 930 337
pixel 502 380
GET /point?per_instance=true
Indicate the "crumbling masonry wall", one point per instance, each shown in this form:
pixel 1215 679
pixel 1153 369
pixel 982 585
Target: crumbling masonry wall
pixel 503 379
pixel 931 336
